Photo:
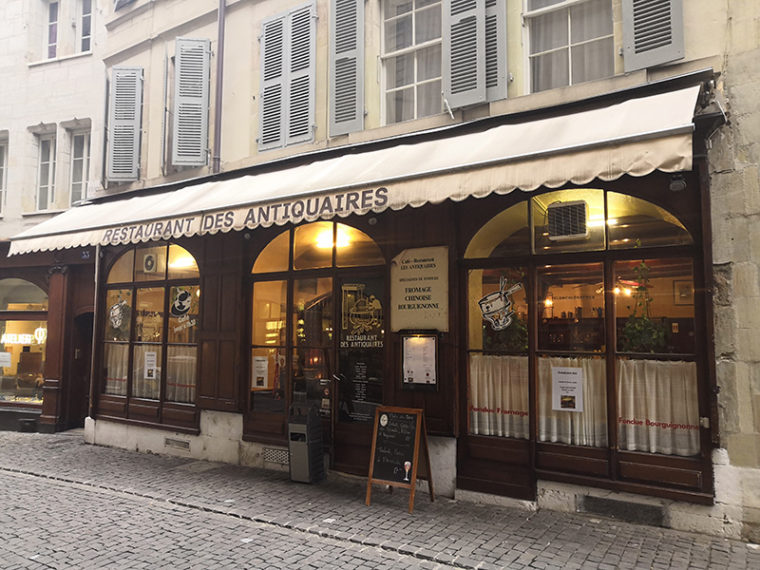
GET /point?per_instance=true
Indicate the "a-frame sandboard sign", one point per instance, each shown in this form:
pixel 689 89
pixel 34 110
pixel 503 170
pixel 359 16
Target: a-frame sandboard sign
pixel 399 445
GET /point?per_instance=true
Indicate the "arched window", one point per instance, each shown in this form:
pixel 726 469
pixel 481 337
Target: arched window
pixel 23 338
pixel 317 314
pixel 575 257
pixel 152 302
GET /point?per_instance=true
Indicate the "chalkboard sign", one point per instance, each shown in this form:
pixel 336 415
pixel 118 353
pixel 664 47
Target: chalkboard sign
pixel 397 437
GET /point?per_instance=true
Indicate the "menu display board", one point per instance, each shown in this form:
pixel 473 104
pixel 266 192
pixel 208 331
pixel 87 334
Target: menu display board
pixel 394 460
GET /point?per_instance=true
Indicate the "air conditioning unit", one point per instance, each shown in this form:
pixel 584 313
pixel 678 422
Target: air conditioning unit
pixel 567 221
pixel 149 263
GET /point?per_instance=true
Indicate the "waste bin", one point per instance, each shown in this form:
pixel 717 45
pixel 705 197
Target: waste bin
pixel 307 464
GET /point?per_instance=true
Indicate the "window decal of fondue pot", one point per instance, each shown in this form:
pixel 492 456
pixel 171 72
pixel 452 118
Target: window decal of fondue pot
pixel 497 306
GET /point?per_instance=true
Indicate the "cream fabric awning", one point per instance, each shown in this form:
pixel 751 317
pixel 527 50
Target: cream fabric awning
pixel 634 137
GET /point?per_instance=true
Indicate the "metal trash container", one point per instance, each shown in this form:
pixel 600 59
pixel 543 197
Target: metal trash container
pixel 307 464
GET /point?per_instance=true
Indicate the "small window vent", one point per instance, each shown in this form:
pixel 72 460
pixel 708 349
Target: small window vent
pixel 177 443
pixel 567 220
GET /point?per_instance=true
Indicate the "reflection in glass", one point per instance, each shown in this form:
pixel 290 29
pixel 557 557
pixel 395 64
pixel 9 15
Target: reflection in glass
pixel 21 295
pixel 118 314
pixel 184 318
pixel 572 400
pixel 498 310
pixel 311 378
pixel 355 248
pixel 571 307
pixel 505 234
pixel 149 321
pixel 24 344
pixel 274 257
pixel 635 223
pixel 654 306
pixel 269 303
pixel 182 264
pixel 268 380
pixel 312 312
pixel 116 359
pixel 121 271
pixel 313 246
pixel 146 371
pixel 180 373
pixel 150 263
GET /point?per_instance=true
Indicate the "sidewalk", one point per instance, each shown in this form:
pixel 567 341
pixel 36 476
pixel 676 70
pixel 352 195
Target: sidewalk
pixel 445 532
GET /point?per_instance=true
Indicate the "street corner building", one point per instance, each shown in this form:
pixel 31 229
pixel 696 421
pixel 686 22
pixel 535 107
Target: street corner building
pixel 535 220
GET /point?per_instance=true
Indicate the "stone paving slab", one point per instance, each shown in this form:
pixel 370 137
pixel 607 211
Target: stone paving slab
pixel 445 532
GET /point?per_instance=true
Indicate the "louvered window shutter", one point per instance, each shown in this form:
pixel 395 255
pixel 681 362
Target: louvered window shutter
pixel 301 74
pixel 272 96
pixel 346 66
pixel 496 50
pixel 191 92
pixel 124 109
pixel 464 47
pixel 652 32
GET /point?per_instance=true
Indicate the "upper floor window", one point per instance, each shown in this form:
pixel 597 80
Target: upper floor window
pixel 80 165
pixel 46 172
pixel 124 118
pixel 52 30
pixel 570 42
pixel 411 59
pixel 85 30
pixel 286 101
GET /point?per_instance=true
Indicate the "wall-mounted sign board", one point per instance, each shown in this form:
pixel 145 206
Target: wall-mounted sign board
pixel 419 360
pixel 399 445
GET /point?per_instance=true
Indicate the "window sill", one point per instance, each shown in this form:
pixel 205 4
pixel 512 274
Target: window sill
pixel 59 59
pixel 41 213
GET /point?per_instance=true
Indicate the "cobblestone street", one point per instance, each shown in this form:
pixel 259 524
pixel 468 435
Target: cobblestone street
pixel 70 505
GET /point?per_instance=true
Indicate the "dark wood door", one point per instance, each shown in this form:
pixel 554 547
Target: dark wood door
pixel 78 393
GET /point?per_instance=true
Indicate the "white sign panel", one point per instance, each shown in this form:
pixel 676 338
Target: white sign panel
pixel 567 389
pixel 419 360
pixel 420 289
pixel 260 373
pixel 150 365
pixel 5 359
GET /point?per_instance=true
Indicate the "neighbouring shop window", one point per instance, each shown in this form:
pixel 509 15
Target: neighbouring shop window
pixel 646 284
pixel 570 42
pixel 152 317
pixel 23 340
pixel 304 280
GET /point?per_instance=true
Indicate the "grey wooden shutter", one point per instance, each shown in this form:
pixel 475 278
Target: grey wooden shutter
pixel 272 96
pixel 191 92
pixel 346 66
pixel 301 34
pixel 123 157
pixel 652 33
pixel 496 50
pixel 464 46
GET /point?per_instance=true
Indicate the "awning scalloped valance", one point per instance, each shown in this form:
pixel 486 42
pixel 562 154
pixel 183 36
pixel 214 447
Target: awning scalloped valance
pixel 633 137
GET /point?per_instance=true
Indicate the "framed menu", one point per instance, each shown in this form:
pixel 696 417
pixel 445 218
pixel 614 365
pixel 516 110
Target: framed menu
pixel 419 360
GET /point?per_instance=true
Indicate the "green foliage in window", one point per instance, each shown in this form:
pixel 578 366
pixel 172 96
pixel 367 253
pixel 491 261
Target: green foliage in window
pixel 641 333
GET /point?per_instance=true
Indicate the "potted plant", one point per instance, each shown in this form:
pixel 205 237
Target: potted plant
pixel 641 333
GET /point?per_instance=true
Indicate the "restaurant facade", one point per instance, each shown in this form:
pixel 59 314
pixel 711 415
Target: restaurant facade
pixel 547 303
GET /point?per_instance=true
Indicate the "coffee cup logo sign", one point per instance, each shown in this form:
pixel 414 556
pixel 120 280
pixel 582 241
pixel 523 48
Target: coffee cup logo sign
pixel 496 307
pixel 181 304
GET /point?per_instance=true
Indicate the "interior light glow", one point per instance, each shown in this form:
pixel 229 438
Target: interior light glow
pixel 325 239
pixel 627 292
pixel 616 290
pixel 182 262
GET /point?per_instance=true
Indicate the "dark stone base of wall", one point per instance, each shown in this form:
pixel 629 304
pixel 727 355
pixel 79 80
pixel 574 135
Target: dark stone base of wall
pixel 19 419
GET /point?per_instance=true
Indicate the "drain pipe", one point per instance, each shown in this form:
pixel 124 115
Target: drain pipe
pixel 93 349
pixel 216 160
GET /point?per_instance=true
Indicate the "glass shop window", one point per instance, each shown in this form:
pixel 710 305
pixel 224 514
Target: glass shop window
pixel 152 317
pixel 23 341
